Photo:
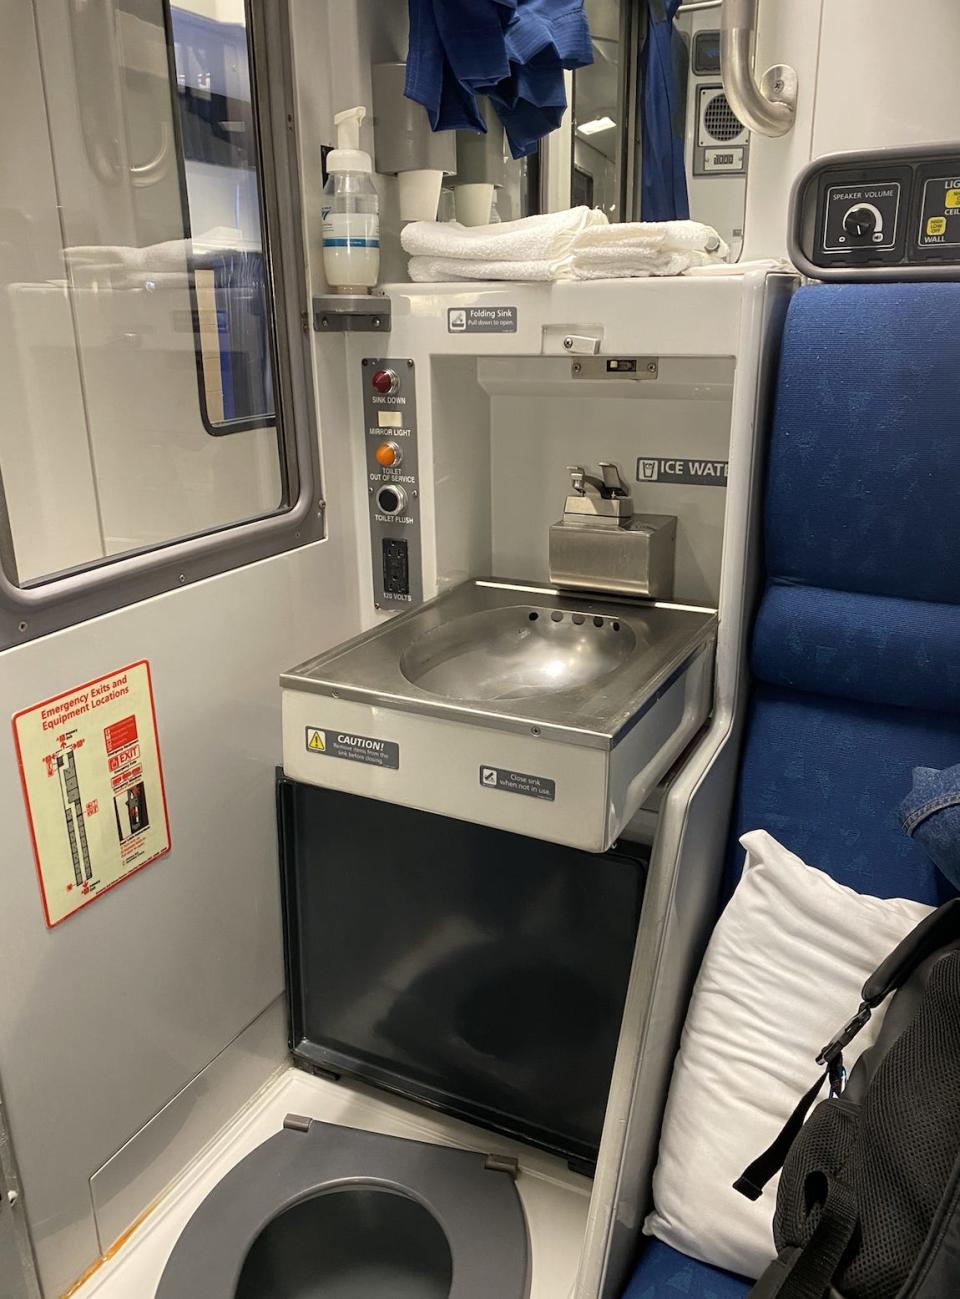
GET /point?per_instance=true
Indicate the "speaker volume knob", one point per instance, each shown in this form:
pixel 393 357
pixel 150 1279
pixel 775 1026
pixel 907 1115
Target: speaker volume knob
pixel 860 222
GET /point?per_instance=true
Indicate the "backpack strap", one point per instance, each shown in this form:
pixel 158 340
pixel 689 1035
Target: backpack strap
pixel 935 931
pixel 754 1178
pixel 938 930
pixel 808 1272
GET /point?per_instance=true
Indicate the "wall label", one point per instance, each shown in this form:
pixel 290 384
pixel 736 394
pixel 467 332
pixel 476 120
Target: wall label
pixel 695 473
pixel 93 785
pixel 481 320
pixel 518 782
pixel 355 748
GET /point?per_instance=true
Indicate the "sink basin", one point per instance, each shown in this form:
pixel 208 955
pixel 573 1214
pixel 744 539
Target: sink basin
pixel 542 712
pixel 517 653
pixel 516 657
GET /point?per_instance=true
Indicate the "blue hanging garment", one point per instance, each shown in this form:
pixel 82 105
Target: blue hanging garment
pixel 515 51
pixel 663 177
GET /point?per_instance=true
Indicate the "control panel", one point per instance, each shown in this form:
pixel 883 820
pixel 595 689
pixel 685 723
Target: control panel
pixel 393 485
pixel 889 214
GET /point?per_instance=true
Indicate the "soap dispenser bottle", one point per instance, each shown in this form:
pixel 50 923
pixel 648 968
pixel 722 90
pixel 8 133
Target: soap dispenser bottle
pixel 351 211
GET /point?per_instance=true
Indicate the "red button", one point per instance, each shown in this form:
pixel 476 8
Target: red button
pixel 385 381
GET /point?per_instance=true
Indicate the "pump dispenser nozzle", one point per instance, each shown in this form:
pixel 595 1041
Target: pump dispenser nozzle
pixel 348 156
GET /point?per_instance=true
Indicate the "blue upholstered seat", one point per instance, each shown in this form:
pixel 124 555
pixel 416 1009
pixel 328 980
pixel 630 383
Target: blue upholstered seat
pixel 856 647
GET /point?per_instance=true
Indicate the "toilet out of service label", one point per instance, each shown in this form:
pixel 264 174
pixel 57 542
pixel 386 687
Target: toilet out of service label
pixel 355 748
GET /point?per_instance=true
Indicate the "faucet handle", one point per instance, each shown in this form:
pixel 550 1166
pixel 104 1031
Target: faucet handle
pixel 577 476
pixel 613 484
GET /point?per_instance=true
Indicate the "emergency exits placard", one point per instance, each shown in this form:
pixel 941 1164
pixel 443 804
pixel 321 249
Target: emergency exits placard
pixel 93 783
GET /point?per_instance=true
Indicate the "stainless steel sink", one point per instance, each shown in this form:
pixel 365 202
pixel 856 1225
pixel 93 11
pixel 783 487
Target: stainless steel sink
pixel 517 652
pixel 516 657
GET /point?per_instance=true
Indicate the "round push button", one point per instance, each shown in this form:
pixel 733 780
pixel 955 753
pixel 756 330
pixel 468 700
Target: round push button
pixel 387 455
pixel 385 382
pixel 391 499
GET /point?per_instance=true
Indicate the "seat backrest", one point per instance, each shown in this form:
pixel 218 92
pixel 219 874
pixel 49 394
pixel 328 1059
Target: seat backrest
pixel 856 646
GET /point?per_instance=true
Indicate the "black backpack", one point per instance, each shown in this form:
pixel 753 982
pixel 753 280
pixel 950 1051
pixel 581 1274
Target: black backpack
pixel 868 1205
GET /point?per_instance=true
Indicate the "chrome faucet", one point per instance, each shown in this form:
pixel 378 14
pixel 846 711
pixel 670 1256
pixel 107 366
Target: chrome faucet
pixel 603 501
pixel 600 544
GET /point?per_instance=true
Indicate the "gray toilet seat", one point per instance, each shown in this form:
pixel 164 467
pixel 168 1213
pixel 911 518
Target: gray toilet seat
pixel 475 1207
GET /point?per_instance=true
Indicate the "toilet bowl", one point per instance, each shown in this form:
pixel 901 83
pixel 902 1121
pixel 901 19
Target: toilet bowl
pixel 325 1212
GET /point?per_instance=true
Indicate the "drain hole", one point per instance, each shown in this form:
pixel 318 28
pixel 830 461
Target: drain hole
pixel 579 619
pixel 533 615
pixel 615 626
pixel 556 615
pixel 598 622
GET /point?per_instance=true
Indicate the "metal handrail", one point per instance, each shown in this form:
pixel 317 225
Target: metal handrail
pixel 770 107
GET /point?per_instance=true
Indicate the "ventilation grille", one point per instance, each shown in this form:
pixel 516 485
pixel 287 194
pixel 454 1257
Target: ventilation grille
pixel 720 122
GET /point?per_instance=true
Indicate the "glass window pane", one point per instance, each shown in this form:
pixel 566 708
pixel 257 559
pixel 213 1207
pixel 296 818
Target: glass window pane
pixel 135 319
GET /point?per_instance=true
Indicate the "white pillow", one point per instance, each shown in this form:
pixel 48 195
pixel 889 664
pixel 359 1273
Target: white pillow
pixel 783 971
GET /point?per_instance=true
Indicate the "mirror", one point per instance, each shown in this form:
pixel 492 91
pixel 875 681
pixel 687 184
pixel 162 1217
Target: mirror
pixel 607 162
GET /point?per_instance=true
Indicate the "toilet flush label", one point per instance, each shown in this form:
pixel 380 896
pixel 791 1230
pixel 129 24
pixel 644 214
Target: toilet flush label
pixel 355 748
pixel 93 784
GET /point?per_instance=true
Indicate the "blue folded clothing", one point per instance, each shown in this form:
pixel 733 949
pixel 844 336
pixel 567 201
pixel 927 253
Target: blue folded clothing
pixel 514 51
pixel 931 814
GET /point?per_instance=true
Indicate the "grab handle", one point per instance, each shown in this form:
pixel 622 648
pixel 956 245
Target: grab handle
pixel 770 107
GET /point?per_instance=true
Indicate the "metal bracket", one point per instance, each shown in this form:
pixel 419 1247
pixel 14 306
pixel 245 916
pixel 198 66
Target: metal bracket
pixel 340 313
pixel 502 1164
pixel 615 367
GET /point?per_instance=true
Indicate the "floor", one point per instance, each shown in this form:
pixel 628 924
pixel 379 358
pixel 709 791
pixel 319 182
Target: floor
pixel 555 1200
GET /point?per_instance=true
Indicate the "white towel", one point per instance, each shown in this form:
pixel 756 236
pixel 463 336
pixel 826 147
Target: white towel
pixel 652 236
pixel 529 239
pixel 568 250
pixel 609 263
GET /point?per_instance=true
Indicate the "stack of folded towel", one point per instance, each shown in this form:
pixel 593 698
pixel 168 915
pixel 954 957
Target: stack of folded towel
pixel 576 245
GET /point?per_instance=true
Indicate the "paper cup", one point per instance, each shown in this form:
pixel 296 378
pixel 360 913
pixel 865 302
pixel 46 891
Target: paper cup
pixel 419 194
pixel 473 204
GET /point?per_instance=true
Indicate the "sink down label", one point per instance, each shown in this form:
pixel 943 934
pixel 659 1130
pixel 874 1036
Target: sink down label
pixel 355 748
pixel 518 782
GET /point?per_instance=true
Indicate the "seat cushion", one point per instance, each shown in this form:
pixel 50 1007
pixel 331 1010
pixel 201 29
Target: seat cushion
pixel 825 777
pixel 863 471
pixel 663 1273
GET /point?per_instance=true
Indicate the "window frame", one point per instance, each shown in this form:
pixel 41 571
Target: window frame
pixel 244 423
pixel 63 599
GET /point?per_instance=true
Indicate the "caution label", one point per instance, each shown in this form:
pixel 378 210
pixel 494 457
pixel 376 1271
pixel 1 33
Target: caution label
pixel 518 782
pixel 93 784
pixel 355 748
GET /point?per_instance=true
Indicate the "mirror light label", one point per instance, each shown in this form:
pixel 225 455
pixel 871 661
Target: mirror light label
pixel 518 782
pixel 693 473
pixel 355 748
pixel 93 784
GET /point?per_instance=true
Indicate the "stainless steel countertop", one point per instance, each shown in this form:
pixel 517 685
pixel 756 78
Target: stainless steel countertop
pixel 595 715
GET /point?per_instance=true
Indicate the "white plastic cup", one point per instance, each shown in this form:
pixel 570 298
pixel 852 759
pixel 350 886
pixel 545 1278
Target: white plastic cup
pixel 474 204
pixel 419 194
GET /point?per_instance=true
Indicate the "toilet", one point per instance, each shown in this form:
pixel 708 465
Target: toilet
pixel 322 1210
